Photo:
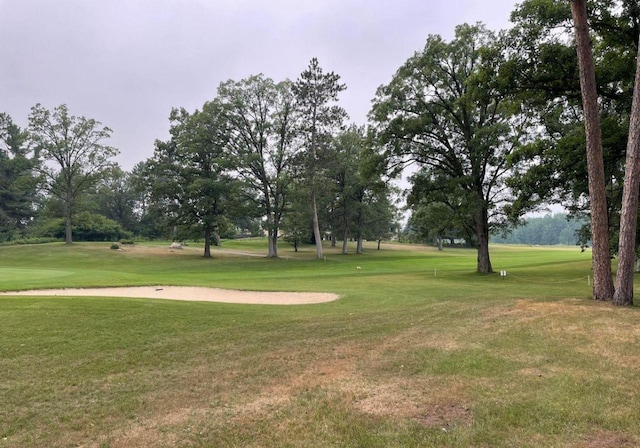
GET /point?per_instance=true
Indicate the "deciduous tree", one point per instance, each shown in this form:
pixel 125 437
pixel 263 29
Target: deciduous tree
pixel 74 154
pixel 262 120
pixel 448 110
pixel 190 173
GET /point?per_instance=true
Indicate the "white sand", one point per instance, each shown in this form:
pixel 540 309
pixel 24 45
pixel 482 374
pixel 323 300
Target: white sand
pixel 192 293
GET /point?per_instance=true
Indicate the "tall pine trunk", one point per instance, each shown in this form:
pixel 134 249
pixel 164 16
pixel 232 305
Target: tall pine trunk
pixel 316 224
pixel 629 214
pixel 602 281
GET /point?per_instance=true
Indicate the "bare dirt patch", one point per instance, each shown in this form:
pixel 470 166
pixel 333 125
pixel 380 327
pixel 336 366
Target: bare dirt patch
pixel 189 293
pixel 608 439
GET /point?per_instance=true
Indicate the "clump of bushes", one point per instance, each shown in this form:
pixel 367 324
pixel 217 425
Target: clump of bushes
pixel 23 241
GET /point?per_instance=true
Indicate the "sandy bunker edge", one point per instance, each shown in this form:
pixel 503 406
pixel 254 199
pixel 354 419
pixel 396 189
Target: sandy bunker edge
pixel 189 293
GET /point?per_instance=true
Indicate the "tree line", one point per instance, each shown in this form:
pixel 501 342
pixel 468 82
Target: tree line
pixel 262 156
pixel 549 230
pixel 494 123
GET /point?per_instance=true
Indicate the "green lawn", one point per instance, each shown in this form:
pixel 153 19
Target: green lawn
pixel 419 351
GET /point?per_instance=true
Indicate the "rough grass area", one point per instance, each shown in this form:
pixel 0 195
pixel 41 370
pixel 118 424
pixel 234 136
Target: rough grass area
pixel 419 351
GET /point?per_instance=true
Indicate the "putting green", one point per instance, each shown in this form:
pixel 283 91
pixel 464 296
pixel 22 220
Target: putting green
pixel 18 274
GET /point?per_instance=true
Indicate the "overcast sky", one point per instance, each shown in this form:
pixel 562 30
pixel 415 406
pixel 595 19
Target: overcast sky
pixel 126 63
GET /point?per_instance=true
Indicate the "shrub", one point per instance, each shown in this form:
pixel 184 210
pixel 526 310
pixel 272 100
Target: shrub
pixel 22 241
pixel 86 226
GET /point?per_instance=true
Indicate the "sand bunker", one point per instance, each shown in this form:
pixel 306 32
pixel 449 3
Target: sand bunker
pixel 191 293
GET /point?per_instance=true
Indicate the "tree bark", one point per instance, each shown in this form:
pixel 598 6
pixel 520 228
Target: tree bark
pixel 629 215
pixel 272 222
pixel 316 225
pixel 273 244
pixel 603 288
pixel 345 241
pixel 359 245
pixel 207 242
pixel 68 232
pixel 482 233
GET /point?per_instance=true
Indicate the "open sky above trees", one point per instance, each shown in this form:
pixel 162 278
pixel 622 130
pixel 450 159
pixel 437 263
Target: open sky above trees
pixel 127 63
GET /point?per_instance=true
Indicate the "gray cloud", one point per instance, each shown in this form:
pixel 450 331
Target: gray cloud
pixel 128 62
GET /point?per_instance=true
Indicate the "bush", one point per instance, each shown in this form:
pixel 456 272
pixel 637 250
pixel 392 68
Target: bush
pixel 87 226
pixel 115 246
pixel 22 241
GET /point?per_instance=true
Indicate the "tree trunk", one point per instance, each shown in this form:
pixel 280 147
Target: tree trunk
pixel 602 280
pixel 359 248
pixel 482 234
pixel 316 225
pixel 273 243
pixel 379 242
pixel 439 240
pixel 207 242
pixel 345 241
pixel 68 234
pixel 629 215
pixel 272 224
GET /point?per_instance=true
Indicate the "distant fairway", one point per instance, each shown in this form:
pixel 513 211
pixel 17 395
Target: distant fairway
pixel 419 351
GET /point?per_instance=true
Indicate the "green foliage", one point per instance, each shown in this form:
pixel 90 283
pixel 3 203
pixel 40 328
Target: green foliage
pixel 361 206
pixel 316 93
pixel 115 198
pixel 263 119
pixel 548 230
pixel 86 226
pixel 449 109
pixel 29 241
pixel 545 73
pixel 189 176
pixel 77 158
pixel 18 181
pixel 435 222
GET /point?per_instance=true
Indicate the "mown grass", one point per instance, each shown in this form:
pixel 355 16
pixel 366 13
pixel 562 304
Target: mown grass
pixel 419 351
